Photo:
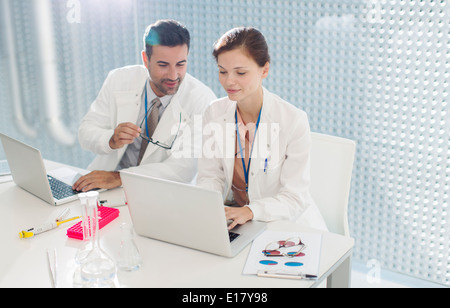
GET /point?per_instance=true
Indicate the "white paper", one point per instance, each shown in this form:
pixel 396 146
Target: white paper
pixel 4 168
pixel 66 175
pixel 5 178
pixel 310 261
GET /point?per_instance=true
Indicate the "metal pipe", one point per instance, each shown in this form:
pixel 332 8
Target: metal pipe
pixel 50 76
pixel 19 117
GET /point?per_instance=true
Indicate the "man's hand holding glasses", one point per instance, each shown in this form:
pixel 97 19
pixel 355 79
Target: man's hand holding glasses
pixel 124 134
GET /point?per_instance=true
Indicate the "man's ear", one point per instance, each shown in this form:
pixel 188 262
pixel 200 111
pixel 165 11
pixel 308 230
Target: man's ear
pixel 145 59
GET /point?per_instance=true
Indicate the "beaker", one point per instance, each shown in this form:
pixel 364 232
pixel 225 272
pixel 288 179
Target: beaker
pixel 98 269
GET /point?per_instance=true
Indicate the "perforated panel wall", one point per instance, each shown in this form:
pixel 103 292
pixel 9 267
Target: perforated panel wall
pixel 376 71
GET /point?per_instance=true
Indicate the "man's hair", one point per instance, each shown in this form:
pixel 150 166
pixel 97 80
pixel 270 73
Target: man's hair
pixel 167 32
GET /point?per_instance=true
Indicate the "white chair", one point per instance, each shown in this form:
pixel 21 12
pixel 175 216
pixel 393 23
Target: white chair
pixel 331 172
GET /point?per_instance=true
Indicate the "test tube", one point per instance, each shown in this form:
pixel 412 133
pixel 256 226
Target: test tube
pixel 87 238
pixel 92 213
pixel 84 216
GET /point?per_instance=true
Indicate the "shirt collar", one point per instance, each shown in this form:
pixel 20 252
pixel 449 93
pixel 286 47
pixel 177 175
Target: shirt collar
pixel 165 100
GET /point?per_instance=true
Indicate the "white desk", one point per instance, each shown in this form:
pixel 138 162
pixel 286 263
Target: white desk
pixel 23 262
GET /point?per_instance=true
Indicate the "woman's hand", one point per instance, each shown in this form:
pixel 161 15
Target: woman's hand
pixel 239 215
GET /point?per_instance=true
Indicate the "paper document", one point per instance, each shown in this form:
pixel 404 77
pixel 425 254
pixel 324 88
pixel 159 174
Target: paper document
pixel 66 175
pixel 4 168
pixel 5 178
pixel 5 173
pixel 294 260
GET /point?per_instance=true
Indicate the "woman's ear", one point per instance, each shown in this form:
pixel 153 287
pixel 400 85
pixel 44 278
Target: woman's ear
pixel 266 69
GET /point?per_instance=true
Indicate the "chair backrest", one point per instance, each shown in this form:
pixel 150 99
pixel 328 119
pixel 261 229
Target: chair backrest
pixel 331 172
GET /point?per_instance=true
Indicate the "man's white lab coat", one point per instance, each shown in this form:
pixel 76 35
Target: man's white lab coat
pixel 120 101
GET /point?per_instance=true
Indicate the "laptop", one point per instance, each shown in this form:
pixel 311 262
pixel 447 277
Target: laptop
pixel 184 215
pixel 28 172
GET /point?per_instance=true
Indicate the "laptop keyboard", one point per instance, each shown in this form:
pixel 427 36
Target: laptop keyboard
pixel 60 190
pixel 233 236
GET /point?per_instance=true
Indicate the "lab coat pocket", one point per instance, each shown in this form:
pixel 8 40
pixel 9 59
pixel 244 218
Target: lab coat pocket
pixel 126 97
pixel 269 176
pixel 271 165
pixel 128 104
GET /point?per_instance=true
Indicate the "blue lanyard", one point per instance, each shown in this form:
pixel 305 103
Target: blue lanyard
pixel 146 111
pixel 246 169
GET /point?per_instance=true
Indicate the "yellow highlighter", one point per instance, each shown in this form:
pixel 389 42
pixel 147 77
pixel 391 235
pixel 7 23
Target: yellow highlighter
pixel 43 228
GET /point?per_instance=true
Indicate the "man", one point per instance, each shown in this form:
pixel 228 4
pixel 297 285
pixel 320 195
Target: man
pixel 144 114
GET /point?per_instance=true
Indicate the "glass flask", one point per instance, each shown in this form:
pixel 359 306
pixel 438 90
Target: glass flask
pixel 98 269
pixel 129 258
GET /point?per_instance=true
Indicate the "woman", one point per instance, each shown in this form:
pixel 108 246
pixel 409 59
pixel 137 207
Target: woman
pixel 262 166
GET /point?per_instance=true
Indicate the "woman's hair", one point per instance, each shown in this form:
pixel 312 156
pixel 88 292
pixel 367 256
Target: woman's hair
pixel 169 33
pixel 249 39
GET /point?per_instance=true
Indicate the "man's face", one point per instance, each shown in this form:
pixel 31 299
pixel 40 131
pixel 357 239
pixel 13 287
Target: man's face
pixel 167 67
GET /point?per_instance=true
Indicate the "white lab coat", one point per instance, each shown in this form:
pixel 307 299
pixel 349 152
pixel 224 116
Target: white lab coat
pixel 120 101
pixel 278 187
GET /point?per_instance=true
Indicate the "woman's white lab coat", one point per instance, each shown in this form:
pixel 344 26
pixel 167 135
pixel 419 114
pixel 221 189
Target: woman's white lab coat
pixel 120 100
pixel 279 172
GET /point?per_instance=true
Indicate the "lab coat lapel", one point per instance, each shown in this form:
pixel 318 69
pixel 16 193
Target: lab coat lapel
pixel 266 146
pixel 228 142
pixel 128 107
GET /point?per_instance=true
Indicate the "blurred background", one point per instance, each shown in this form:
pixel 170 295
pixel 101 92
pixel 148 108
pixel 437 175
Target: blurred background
pixel 375 71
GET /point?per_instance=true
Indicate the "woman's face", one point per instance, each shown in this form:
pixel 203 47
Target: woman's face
pixel 240 75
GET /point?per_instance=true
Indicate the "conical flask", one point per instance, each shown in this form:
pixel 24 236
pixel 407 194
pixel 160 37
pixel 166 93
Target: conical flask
pixel 98 269
pixel 129 258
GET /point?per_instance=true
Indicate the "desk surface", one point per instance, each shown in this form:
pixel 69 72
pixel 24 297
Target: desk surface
pixel 24 261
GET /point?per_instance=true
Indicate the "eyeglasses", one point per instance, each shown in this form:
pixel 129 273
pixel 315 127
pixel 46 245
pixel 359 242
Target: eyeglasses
pixel 291 247
pixel 158 143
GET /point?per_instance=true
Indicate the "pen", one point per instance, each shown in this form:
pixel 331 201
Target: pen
pixel 265 166
pixel 112 204
pixel 43 228
pixel 63 214
pixel 280 274
pixel 52 269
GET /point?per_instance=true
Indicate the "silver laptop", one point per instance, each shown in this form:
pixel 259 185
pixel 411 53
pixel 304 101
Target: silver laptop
pixel 184 215
pixel 28 172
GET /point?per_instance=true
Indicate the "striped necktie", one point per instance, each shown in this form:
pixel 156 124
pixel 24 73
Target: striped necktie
pixel 152 122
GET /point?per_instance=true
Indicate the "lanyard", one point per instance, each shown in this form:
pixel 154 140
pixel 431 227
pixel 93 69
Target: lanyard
pixel 246 169
pixel 146 111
